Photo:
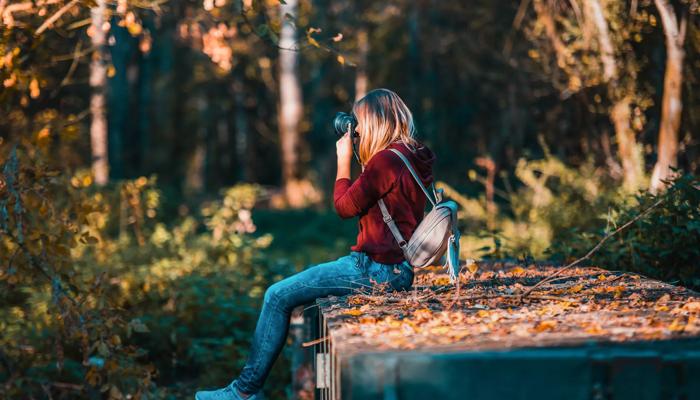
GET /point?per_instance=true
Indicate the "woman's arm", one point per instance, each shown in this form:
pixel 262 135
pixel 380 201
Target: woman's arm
pixel 379 176
pixel 343 148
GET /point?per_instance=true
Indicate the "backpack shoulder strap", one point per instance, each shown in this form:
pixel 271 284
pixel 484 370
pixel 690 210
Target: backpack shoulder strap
pixel 432 200
pixel 392 226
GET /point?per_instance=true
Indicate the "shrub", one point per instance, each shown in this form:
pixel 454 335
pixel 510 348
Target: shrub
pixel 663 244
pixel 98 297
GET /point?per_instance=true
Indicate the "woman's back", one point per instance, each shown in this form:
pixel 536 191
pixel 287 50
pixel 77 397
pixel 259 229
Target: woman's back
pixel 385 176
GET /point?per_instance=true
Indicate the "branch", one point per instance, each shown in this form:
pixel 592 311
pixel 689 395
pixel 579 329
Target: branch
pixel 56 16
pixel 593 250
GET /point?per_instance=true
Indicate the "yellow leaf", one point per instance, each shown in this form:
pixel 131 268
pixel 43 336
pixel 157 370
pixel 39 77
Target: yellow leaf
pixel 87 181
pixel 518 271
pixel 677 325
pixel 313 41
pixel 441 281
pixel 341 59
pixel 472 266
pixel 576 289
pixel 353 311
pixel 111 71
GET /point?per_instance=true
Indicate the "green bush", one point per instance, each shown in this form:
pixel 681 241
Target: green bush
pixel 100 298
pixel 552 202
pixel 663 244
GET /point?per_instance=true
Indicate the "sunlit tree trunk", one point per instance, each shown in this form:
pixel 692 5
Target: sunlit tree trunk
pixel 290 108
pixel 671 104
pixel 627 149
pixel 98 100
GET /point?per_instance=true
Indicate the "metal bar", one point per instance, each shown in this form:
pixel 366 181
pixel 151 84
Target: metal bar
pixel 331 382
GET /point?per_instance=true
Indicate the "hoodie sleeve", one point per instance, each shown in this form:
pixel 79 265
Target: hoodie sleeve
pixel 378 178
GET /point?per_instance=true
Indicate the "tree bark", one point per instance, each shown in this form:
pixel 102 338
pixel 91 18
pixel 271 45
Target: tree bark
pixel 98 85
pixel 290 108
pixel 671 104
pixel 627 149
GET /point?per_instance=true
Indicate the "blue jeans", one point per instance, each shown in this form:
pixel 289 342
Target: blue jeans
pixel 353 273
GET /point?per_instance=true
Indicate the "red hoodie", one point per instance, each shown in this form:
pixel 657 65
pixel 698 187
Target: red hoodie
pixel 386 176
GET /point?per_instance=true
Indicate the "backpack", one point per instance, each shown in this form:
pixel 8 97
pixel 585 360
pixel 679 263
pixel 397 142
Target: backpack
pixel 437 234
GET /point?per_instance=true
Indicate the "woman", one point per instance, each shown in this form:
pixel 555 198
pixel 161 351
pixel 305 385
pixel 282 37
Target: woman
pixel 375 261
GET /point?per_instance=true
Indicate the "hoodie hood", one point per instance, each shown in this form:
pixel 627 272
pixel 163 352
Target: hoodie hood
pixel 421 159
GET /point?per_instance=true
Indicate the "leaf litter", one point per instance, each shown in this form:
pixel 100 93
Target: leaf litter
pixel 487 311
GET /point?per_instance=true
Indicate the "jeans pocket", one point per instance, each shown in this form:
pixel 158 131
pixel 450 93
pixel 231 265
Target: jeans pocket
pixel 394 276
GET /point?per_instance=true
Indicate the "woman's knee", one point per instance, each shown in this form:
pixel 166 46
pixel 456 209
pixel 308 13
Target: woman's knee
pixel 276 296
pixel 272 294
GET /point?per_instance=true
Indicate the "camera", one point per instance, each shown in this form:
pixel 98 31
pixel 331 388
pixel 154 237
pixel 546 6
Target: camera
pixel 342 121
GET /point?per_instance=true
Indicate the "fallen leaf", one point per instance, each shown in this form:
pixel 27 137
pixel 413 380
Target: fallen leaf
pixel 575 289
pixel 678 325
pixel 518 271
pixel 546 326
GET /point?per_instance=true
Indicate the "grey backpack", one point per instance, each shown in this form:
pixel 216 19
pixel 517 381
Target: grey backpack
pixel 436 236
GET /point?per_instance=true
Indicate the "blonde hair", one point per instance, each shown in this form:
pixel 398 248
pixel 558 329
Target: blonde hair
pixel 384 119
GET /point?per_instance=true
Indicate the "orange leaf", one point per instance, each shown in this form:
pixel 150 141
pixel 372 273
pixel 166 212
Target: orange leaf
pixel 546 326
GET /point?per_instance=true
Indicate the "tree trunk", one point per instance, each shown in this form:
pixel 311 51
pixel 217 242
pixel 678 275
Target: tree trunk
pixel 671 104
pixel 361 71
pixel 627 149
pixel 290 108
pixel 241 127
pixel 98 85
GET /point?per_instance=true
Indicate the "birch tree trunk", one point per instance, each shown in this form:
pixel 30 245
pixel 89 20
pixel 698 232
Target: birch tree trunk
pixel 98 99
pixel 290 107
pixel 671 104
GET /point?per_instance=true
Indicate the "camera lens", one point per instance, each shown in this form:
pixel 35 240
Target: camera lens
pixel 342 121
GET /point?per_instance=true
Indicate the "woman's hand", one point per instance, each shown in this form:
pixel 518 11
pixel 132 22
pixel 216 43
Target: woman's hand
pixel 343 149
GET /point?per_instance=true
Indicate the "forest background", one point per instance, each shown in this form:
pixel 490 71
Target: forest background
pixel 163 162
